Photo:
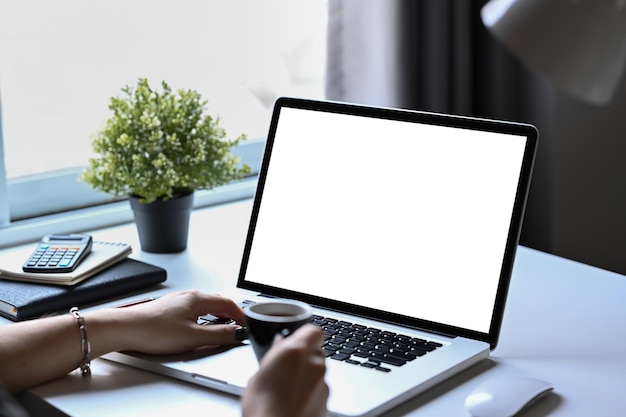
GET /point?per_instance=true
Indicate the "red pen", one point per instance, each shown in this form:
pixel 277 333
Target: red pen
pixel 133 303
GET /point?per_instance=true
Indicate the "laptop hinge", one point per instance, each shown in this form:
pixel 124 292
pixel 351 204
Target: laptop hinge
pixel 421 329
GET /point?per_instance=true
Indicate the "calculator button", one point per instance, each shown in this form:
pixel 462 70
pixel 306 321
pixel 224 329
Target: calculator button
pixel 65 262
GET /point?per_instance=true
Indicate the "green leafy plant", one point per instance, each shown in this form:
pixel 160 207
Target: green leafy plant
pixel 160 144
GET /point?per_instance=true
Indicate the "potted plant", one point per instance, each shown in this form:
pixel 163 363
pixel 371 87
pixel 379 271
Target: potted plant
pixel 157 149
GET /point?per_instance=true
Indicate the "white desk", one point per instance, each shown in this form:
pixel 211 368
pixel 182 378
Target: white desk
pixel 564 323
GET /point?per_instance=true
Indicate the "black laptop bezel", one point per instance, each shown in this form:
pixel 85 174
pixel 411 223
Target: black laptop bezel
pixel 498 126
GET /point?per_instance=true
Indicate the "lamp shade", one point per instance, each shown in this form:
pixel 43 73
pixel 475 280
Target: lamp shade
pixel 579 45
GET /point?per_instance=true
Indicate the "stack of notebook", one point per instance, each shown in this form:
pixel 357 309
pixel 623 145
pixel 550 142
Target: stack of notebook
pixel 105 273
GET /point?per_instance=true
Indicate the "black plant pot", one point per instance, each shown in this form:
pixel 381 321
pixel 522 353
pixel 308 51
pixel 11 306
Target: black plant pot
pixel 163 226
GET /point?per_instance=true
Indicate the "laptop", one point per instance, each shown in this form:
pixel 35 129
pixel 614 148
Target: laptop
pixel 401 222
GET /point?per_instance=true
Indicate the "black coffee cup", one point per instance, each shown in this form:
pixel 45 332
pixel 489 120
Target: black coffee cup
pixel 269 319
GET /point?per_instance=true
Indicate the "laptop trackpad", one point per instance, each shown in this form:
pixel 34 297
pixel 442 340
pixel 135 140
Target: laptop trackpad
pixel 233 365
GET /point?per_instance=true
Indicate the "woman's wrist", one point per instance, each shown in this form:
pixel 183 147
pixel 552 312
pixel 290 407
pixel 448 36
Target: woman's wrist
pixel 110 330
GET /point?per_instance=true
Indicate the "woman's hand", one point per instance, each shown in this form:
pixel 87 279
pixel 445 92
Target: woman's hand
pixel 169 324
pixel 290 381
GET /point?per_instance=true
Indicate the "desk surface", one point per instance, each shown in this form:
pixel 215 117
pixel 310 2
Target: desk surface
pixel 563 323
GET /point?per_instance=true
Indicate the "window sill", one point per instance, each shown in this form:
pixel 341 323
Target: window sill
pixel 111 214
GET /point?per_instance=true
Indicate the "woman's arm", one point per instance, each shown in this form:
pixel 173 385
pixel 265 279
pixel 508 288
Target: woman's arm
pixel 37 351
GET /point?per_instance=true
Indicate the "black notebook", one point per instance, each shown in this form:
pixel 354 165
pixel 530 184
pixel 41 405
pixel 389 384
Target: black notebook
pixel 23 300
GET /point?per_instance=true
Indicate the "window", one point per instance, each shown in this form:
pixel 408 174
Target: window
pixel 61 61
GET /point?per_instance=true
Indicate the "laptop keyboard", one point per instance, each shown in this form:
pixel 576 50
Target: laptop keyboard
pixel 364 346
pixel 368 346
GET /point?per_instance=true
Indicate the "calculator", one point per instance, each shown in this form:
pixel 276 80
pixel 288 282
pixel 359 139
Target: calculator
pixel 58 253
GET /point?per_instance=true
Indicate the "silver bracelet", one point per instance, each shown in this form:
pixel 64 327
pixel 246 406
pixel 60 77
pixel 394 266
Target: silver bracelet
pixel 85 363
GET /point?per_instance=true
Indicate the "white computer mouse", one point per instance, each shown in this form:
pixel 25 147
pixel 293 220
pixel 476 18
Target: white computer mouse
pixel 505 396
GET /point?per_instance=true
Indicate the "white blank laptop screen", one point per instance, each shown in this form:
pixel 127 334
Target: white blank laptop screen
pixel 392 215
